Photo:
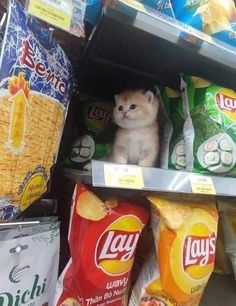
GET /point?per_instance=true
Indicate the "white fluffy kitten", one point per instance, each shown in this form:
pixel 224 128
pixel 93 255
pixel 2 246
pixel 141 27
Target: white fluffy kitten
pixel 137 137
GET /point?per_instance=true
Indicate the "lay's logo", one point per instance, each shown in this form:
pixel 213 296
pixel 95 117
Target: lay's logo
pixel 226 102
pixel 99 113
pixel 199 250
pixel 116 248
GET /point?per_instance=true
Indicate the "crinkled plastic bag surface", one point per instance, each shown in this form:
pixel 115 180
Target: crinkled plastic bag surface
pixel 227 211
pixel 210 127
pixel 102 238
pixel 173 155
pixel 213 17
pixel 179 267
pixel 35 87
pixel 163 6
pixel 29 265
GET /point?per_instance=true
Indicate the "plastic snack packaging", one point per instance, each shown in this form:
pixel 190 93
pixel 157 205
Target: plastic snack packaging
pixel 210 127
pixel 84 149
pixel 96 132
pixel 29 264
pixel 213 17
pixel 163 6
pixel 35 87
pixel 173 155
pixel 227 211
pixel 222 261
pixel 96 116
pixel 102 238
pixel 179 267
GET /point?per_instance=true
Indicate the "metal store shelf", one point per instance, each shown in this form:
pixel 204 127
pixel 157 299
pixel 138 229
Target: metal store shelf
pixel 154 179
pixel 131 48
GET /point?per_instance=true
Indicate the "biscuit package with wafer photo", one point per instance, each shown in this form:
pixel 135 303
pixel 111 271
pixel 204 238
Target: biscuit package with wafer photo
pixel 180 265
pixel 103 236
pixel 35 87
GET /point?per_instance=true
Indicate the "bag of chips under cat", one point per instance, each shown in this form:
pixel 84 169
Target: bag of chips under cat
pixel 102 238
pixel 213 17
pixel 173 155
pixel 179 267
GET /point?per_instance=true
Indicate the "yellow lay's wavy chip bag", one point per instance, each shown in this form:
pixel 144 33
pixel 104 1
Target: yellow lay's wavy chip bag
pixel 179 267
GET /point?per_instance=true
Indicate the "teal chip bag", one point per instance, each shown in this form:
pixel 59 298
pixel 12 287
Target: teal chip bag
pixel 210 127
pixel 173 155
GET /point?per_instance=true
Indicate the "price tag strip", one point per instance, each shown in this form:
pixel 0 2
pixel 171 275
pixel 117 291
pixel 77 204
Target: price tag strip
pixel 123 176
pixel 67 15
pixel 202 184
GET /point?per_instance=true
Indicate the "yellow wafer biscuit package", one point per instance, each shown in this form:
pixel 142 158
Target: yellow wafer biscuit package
pixel 35 84
pixel 182 261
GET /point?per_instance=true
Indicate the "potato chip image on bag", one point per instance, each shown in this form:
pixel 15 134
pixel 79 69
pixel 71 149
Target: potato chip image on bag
pixel 35 86
pixel 103 236
pixel 214 17
pixel 179 266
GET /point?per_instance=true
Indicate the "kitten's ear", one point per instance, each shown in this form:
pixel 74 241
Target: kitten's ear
pixel 150 96
pixel 116 98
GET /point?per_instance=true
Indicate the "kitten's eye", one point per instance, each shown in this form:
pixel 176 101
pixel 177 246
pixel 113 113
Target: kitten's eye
pixel 133 106
pixel 120 108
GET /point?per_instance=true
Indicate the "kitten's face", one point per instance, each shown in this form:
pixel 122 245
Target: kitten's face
pixel 135 109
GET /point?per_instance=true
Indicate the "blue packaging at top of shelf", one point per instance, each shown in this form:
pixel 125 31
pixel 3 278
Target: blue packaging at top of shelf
pixel 228 36
pixel 93 11
pixel 213 17
pixel 186 11
pixel 163 6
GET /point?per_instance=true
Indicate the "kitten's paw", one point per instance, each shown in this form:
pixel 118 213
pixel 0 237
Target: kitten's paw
pixel 88 167
pixel 119 160
pixel 146 163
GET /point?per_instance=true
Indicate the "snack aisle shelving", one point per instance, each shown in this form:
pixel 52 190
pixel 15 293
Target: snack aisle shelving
pixel 130 47
pixel 154 179
pixel 136 48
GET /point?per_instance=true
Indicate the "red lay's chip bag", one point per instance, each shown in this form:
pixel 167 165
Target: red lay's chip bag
pixel 102 238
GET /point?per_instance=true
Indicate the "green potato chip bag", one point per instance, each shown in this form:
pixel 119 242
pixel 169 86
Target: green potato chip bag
pixel 210 127
pixel 97 118
pixel 173 146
